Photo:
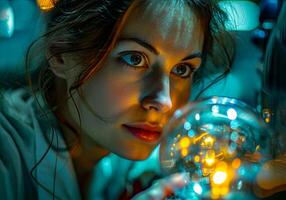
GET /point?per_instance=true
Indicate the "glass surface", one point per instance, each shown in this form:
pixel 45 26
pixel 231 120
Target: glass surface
pixel 221 142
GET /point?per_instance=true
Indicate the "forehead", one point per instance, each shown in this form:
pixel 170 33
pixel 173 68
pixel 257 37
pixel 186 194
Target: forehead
pixel 167 22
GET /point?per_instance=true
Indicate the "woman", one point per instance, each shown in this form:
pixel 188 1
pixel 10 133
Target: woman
pixel 112 75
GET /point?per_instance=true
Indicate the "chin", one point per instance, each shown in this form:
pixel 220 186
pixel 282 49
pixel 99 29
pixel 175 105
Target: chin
pixel 136 155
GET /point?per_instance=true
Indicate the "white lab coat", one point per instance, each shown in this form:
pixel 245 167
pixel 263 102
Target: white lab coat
pixel 22 144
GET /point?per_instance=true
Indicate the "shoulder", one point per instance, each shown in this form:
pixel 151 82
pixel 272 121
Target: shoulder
pixel 14 173
pixel 16 117
pixel 16 104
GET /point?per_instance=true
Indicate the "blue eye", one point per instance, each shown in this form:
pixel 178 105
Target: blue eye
pixel 134 59
pixel 183 70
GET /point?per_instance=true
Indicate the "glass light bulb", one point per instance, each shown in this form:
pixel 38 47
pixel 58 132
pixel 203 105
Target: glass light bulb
pixel 221 142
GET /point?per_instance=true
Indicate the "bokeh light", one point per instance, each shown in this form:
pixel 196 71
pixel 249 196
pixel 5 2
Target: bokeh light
pixel 46 5
pixel 219 177
pixel 6 19
pixel 220 142
pixel 198 188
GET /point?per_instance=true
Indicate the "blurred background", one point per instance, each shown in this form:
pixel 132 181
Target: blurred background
pixel 22 21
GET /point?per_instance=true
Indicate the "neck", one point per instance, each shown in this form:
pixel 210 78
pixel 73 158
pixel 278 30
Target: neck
pixel 84 161
pixel 84 151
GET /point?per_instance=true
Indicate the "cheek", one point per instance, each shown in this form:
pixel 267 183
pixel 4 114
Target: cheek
pixel 180 93
pixel 111 94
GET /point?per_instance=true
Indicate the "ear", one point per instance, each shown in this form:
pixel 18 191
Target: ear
pixel 59 64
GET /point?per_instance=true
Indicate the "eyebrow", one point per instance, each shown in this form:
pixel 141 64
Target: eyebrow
pixel 142 43
pixel 155 51
pixel 192 56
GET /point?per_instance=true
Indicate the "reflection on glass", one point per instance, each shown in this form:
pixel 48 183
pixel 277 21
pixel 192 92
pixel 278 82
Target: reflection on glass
pixel 221 142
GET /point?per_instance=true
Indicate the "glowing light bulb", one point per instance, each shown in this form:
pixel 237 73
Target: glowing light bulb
pixel 214 149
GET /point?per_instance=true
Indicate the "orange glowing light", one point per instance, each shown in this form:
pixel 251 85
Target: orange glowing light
pixel 267 120
pixel 197 158
pixel 222 166
pixel 221 179
pixel 210 157
pixel 209 141
pixel 185 142
pixel 206 171
pixel 224 191
pixel 220 156
pixel 216 192
pixel 46 4
pixel 201 136
pixel 236 163
pixel 184 152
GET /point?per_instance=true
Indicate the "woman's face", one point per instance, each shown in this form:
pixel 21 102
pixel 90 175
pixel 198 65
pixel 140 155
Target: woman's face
pixel 145 78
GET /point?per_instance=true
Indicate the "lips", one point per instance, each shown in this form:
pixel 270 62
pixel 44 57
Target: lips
pixel 144 131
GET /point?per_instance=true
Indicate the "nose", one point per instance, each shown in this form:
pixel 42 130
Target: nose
pixel 156 95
